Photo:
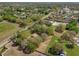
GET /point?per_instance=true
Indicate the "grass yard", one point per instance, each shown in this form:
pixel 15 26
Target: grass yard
pixel 52 41
pixel 70 52
pixel 6 29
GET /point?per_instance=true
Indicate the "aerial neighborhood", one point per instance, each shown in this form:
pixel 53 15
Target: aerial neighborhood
pixel 39 29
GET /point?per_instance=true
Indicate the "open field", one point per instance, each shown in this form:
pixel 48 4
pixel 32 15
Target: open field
pixel 6 29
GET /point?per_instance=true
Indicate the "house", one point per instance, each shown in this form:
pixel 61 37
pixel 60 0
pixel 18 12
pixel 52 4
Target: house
pixel 66 10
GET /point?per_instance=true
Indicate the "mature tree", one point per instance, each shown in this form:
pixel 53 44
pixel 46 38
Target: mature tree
pixel 23 44
pixel 68 36
pixel 72 26
pixel 55 49
pixel 30 48
pixel 8 15
pixel 39 28
pixel 9 18
pixel 18 41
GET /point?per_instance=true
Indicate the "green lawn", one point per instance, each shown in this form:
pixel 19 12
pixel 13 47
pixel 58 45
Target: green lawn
pixel 6 29
pixel 70 52
pixel 53 41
